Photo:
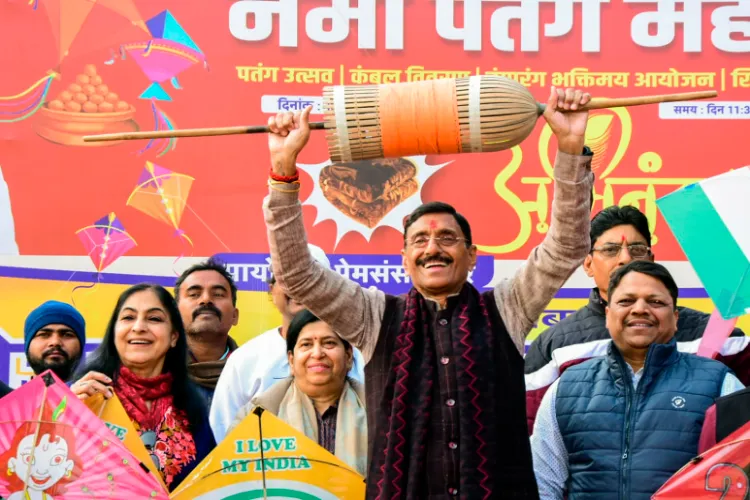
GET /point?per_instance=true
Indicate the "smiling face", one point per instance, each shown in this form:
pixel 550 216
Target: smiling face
pixel 143 332
pixel 641 312
pixel 436 257
pixel 45 464
pixel 320 361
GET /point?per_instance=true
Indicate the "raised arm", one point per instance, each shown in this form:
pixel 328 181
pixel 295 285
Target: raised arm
pixel 523 297
pixel 355 313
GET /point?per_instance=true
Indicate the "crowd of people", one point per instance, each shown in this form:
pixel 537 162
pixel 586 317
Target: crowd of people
pixel 429 394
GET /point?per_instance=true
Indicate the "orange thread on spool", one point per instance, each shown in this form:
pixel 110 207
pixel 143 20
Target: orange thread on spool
pixel 419 118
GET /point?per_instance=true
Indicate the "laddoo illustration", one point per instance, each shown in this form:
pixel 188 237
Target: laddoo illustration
pixel 87 106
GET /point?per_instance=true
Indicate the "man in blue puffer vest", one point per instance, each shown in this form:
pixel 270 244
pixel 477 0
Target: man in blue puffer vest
pixel 618 426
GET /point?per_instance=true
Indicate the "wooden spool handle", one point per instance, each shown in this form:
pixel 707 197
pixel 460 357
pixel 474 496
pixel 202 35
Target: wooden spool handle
pixel 188 132
pixel 260 129
pixel 618 102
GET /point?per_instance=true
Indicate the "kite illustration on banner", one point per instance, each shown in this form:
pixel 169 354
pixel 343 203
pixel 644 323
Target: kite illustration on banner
pixel 66 19
pixel 168 53
pixel 52 446
pixel 162 194
pixel 105 241
pixel 709 218
pixel 263 457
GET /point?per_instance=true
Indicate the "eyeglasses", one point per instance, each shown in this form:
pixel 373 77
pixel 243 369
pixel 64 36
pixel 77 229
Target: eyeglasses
pixel 636 250
pixel 445 241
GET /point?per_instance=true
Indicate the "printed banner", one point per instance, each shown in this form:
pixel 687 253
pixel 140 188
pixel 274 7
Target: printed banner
pixel 384 272
pixel 79 222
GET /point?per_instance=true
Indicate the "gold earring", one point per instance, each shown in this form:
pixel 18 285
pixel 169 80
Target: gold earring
pixel 10 471
pixel 68 474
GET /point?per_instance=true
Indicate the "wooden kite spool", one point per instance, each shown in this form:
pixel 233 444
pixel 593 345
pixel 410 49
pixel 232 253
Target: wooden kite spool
pixel 445 116
pixel 465 115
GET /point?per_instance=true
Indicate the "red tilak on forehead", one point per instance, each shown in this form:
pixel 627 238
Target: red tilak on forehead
pixel 433 224
pixel 624 239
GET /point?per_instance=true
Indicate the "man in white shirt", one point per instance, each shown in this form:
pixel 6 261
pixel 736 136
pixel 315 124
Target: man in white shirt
pixel 262 361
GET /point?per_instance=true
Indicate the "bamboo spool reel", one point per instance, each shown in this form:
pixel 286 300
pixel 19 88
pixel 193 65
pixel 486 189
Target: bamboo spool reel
pixel 464 115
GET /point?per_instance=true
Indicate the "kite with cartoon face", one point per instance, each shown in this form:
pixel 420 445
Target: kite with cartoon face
pixel 41 459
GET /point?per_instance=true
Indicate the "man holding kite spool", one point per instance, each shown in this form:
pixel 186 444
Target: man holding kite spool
pixel 444 380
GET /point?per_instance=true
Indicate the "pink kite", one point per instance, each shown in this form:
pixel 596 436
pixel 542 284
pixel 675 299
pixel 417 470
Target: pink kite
pixel 53 446
pixel 170 52
pixel 105 241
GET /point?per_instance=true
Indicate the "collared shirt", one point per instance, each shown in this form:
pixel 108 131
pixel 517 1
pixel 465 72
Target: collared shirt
pixel 327 428
pixel 548 448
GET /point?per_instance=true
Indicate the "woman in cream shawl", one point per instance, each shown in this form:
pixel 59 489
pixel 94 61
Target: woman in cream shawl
pixel 318 399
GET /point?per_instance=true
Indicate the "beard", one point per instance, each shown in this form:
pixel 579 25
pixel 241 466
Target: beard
pixel 63 369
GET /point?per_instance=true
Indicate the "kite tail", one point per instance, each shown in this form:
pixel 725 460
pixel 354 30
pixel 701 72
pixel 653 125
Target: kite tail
pixel 161 122
pixel 180 233
pixel 90 288
pixel 21 106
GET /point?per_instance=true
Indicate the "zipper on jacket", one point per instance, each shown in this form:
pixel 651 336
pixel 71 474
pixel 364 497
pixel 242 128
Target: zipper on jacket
pixel 624 460
pixel 629 404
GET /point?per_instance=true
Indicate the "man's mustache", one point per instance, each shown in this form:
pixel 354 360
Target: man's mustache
pixel 444 259
pixel 55 350
pixel 210 308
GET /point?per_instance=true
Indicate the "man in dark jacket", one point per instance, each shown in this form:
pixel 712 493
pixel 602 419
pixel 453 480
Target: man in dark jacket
pixel 618 426
pixel 619 235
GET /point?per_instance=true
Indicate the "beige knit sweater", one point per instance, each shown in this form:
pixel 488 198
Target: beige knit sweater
pixel 356 313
